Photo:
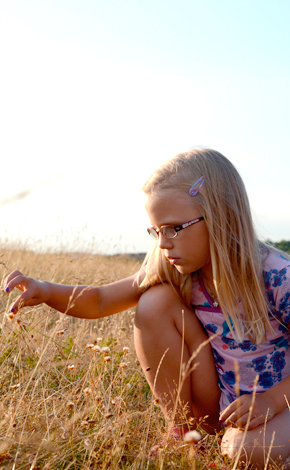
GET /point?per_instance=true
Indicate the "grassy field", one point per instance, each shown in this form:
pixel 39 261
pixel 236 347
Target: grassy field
pixel 73 395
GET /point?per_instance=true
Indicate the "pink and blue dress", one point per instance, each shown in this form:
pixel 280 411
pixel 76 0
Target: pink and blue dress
pixel 269 360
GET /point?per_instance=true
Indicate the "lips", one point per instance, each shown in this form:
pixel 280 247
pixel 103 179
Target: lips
pixel 173 260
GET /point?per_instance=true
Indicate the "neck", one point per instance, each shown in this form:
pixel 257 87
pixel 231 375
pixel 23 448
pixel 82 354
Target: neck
pixel 208 283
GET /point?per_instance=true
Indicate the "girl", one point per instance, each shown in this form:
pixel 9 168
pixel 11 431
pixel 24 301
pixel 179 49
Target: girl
pixel 206 277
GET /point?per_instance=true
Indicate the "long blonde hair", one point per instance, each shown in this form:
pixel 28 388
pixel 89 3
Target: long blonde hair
pixel 236 253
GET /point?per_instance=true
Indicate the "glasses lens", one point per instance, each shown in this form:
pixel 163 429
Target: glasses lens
pixel 152 232
pixel 168 232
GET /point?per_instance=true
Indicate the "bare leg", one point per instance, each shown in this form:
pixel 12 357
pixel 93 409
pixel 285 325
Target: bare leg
pixel 257 442
pixel 159 327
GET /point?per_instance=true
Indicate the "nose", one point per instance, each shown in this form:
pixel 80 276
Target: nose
pixel 164 243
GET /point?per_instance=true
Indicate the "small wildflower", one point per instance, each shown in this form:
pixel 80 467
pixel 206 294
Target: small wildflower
pixel 192 437
pixel 192 421
pixel 97 348
pixel 15 387
pixel 101 330
pixel 71 367
pixel 70 405
pixel 123 365
pixel 90 346
pixel 126 349
pixel 107 358
pixel 99 340
pixel 106 349
pixel 10 315
pixel 98 398
pixel 115 400
pixel 87 391
pixel 61 332
pixel 157 401
pixel 128 386
pixel 87 442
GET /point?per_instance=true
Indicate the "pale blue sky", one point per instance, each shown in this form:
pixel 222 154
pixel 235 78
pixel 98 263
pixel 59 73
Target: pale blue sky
pixel 95 94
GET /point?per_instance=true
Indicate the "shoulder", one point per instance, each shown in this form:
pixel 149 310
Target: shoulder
pixel 276 268
pixel 276 272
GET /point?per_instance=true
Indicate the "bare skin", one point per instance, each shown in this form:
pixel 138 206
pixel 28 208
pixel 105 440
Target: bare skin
pixel 162 335
pixel 256 444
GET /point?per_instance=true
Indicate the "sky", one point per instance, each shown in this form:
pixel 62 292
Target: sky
pixel 95 94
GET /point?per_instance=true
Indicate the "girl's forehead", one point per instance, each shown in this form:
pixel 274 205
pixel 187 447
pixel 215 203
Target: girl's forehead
pixel 170 204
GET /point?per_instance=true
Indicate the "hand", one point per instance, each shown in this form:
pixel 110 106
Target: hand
pixel 238 412
pixel 33 292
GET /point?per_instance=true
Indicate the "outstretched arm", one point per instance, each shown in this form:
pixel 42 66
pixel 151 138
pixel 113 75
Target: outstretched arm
pixel 77 301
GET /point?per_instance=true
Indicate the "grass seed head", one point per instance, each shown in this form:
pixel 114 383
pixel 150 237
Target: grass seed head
pixel 71 367
pixel 123 365
pixel 15 387
pixel 97 348
pixel 107 358
pixel 90 346
pixel 157 401
pixel 126 349
pixel 192 437
pixel 70 405
pixel 87 443
pixel 115 400
pixel 105 349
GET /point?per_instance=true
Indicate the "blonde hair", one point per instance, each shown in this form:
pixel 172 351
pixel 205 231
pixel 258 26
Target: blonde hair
pixel 236 253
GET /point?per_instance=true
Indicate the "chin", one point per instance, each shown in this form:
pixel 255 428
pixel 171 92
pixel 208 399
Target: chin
pixel 183 269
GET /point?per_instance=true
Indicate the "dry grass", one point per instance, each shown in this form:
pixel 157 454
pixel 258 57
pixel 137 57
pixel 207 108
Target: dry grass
pixel 65 402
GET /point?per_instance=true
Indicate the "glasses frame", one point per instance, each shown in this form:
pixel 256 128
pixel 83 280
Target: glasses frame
pixel 154 232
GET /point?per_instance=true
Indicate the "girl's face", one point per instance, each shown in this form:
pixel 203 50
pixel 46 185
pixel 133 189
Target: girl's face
pixel 189 250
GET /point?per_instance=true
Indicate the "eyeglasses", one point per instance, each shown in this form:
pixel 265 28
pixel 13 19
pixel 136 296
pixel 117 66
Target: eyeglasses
pixel 170 231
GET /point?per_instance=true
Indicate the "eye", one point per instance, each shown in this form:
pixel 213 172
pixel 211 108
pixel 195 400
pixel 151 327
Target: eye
pixel 152 232
pixel 169 231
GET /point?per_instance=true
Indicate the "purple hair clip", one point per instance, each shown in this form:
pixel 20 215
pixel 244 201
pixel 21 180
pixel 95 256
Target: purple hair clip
pixel 196 186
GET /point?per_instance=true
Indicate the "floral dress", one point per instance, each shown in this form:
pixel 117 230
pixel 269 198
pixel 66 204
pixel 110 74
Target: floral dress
pixel 270 361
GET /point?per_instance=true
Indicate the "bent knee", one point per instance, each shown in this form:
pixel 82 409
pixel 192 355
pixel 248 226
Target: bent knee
pixel 231 442
pixel 246 447
pixel 155 303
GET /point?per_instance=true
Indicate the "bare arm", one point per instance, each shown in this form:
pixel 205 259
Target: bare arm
pixel 266 405
pixel 77 301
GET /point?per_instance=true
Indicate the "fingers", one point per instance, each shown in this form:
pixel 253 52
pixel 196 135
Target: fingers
pixel 21 282
pixel 13 280
pixel 242 418
pixel 22 301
